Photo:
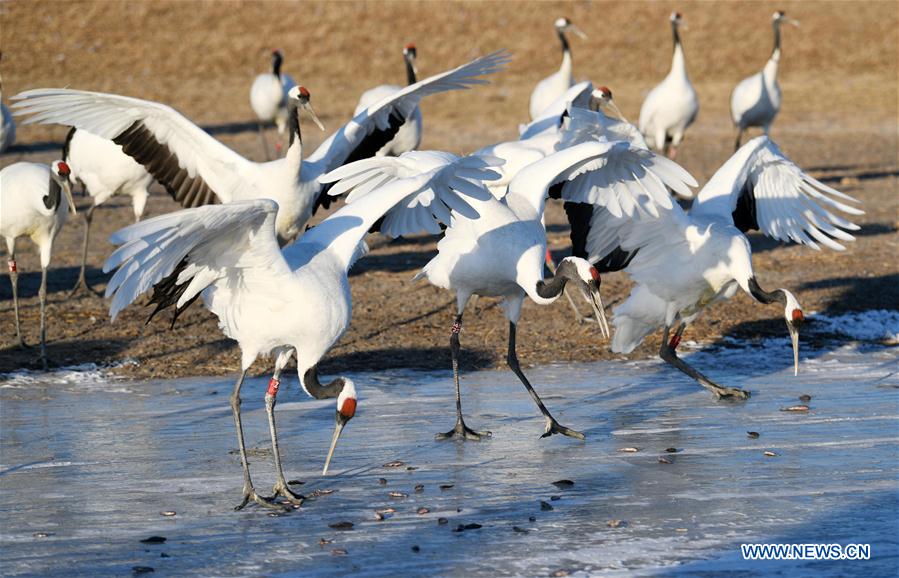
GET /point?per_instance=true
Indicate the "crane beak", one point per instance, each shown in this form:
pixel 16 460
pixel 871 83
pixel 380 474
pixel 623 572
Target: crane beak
pixel 594 298
pixel 338 429
pixel 614 108
pixel 794 337
pixel 577 31
pixel 67 188
pixel 793 22
pixel 308 108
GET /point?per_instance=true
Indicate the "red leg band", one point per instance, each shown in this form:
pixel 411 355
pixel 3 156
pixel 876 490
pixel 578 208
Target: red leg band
pixel 273 385
pixel 457 327
pixel 675 341
pixel 12 266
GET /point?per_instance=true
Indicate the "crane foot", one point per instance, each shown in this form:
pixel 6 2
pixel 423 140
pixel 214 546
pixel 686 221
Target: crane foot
pixel 554 427
pixel 249 494
pixel 464 432
pixel 283 491
pixel 730 393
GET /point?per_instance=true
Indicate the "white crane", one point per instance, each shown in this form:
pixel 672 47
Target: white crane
pixel 501 254
pixel 273 301
pixel 684 262
pixel 672 105
pixel 555 85
pixel 268 99
pixel 103 171
pixel 756 100
pixel 409 136
pixel 35 200
pixel 7 123
pixel 197 169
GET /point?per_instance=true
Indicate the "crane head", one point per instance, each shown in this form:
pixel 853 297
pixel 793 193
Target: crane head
pixel 300 96
pixel 589 281
pixel 61 174
pixel 781 16
pixel 346 409
pixel 565 25
pixel 795 318
pixel 678 20
pixel 410 51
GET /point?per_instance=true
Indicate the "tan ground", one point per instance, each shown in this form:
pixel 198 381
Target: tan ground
pixel 839 120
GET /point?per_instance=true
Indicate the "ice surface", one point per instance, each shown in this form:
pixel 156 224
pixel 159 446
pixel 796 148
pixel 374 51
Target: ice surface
pixel 92 463
pixel 872 325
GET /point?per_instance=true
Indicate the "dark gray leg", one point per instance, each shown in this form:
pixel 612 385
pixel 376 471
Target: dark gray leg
pixel 460 430
pixel 14 281
pixel 552 426
pixel 249 493
pixel 280 488
pixel 669 354
pixel 82 280
pixel 268 155
pixel 42 297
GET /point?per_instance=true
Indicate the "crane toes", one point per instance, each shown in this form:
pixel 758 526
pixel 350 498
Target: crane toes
pixel 554 427
pixel 249 494
pixel 464 432
pixel 281 489
pixel 732 393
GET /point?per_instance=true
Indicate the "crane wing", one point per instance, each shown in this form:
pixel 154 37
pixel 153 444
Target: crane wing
pixel 375 126
pixel 614 175
pixel 760 188
pixel 184 252
pixel 450 180
pixel 194 167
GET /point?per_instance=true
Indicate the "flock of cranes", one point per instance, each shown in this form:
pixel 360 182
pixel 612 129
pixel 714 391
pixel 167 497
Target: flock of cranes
pixel 242 245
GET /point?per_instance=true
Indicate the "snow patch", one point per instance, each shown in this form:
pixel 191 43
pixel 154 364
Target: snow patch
pixel 82 374
pixel 871 325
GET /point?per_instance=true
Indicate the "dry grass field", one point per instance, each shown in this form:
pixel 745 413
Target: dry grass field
pixel 839 120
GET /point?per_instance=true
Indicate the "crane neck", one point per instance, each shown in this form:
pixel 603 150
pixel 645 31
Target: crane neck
pixel 678 61
pixel 315 388
pixel 276 65
pixel 675 33
pixel 548 291
pixel 566 49
pixel 775 52
pixel 294 155
pixel 410 72
pixel 766 297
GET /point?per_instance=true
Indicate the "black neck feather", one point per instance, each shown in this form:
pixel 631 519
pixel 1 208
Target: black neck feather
pixel 563 40
pixel 766 297
pixel 410 72
pixel 319 391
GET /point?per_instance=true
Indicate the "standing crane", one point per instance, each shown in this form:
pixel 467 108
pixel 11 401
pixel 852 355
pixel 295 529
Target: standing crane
pixel 103 171
pixel 684 262
pixel 756 100
pixel 35 200
pixel 196 169
pixel 555 85
pixel 501 254
pixel 408 137
pixel 273 301
pixel 672 105
pixel 268 99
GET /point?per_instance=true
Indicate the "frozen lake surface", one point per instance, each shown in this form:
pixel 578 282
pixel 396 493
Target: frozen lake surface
pixel 89 464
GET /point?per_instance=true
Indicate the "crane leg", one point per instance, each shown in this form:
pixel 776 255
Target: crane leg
pixel 268 155
pixel 460 430
pixel 668 352
pixel 552 426
pixel 249 493
pixel 42 297
pixel 14 281
pixel 82 280
pixel 280 488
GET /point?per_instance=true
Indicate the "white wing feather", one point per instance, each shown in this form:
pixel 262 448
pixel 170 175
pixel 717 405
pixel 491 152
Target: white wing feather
pixel 334 151
pixel 108 115
pixel 449 180
pixel 235 241
pixel 789 204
